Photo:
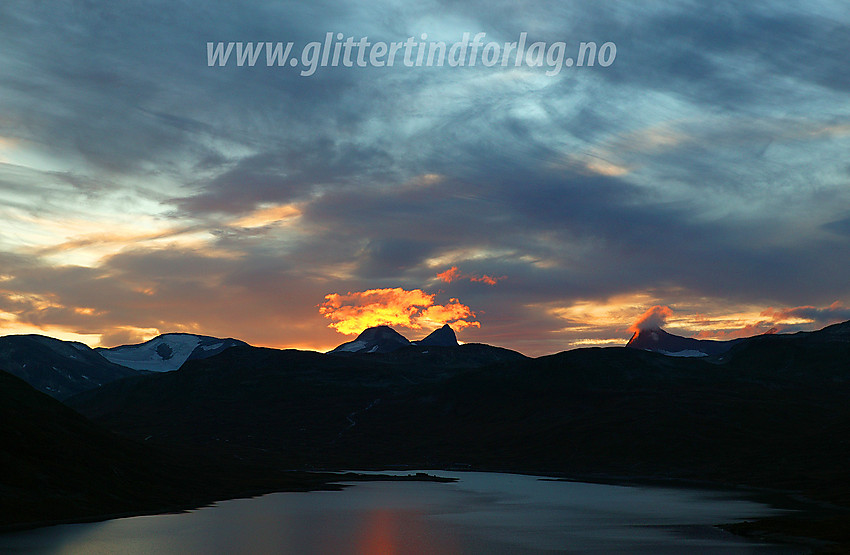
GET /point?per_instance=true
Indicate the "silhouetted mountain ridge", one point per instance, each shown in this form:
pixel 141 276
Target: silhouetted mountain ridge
pixel 619 410
pixel 660 341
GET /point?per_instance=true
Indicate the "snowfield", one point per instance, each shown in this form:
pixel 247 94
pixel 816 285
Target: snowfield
pixel 168 352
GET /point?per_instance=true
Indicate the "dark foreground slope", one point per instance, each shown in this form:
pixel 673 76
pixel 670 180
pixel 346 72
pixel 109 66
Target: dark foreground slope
pixel 291 407
pixel 55 465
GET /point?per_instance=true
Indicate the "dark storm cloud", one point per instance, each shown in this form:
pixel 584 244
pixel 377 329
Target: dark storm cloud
pixel 841 226
pixel 125 85
pixel 735 56
pixel 288 175
pixel 806 46
pixel 640 244
pixel 390 257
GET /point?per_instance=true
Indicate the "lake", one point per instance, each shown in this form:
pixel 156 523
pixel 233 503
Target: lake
pixel 483 513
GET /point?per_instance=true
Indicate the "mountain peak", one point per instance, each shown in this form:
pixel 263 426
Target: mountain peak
pixel 381 332
pixel 442 337
pixel 377 339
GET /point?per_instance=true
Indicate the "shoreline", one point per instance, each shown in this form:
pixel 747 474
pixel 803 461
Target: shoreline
pixel 820 527
pixel 331 482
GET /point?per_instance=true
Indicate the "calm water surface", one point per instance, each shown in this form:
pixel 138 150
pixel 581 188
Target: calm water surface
pixel 484 513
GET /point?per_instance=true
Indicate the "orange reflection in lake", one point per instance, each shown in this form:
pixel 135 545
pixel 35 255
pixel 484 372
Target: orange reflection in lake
pixel 388 532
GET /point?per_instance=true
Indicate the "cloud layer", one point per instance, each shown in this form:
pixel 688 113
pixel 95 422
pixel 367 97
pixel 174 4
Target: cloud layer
pixel 142 191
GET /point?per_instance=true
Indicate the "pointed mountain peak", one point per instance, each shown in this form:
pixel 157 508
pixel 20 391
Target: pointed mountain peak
pixel 443 337
pixel 645 336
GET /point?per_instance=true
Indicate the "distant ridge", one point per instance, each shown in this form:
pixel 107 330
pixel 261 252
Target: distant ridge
pixel 660 341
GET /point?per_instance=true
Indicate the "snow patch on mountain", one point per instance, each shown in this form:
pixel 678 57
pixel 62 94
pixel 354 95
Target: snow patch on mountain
pixel 687 353
pixel 168 352
pixel 351 347
pixel 147 357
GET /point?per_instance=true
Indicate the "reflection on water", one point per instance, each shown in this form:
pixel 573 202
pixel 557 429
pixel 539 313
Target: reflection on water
pixel 484 513
pixel 395 532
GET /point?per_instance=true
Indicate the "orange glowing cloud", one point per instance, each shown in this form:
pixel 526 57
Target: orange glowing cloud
pixel 450 275
pixel 454 312
pixel 415 309
pixel 836 312
pixel 454 274
pixel 653 318
pixel 269 215
pixel 749 330
pixel 486 279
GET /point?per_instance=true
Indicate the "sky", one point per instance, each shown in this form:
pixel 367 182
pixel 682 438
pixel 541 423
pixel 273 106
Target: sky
pixel 699 181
